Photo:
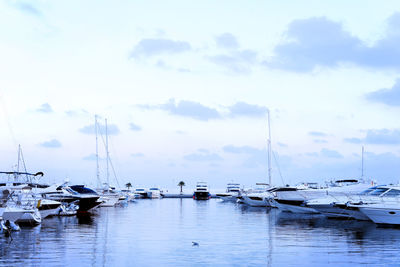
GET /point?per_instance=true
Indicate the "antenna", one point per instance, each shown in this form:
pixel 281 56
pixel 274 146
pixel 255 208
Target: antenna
pixel 269 149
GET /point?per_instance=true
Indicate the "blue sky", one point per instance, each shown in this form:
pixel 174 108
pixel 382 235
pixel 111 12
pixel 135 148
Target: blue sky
pixel 185 87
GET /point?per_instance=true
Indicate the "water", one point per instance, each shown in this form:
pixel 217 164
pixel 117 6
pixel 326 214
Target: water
pixel 160 232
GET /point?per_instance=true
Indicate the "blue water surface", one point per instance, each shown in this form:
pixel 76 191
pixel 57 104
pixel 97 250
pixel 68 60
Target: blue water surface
pixel 160 232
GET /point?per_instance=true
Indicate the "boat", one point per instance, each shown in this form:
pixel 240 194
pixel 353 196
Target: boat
pixel 231 194
pixel 154 192
pixel 295 199
pixel 48 208
pixel 259 196
pixel 201 192
pixel 386 213
pixel 140 193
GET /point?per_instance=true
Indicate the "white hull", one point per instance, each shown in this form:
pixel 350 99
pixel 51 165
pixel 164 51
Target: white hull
pixel 30 217
pixel 382 215
pixel 154 194
pixel 49 212
pixel 12 215
pixel 109 200
pixel 295 209
pixel 228 198
pixel 256 203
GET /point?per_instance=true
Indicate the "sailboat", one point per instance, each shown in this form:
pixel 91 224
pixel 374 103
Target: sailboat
pixel 108 196
pixel 260 197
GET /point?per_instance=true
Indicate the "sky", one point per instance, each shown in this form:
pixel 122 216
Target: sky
pixel 185 87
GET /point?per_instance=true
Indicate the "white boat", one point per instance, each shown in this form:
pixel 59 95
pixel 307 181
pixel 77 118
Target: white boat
pixel 154 192
pixel 258 197
pixel 201 191
pixel 294 199
pixel 382 213
pixel 140 193
pixel 48 207
pixel 11 214
pixel 232 193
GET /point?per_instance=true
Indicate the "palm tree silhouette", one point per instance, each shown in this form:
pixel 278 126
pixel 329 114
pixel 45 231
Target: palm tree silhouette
pixel 128 185
pixel 181 184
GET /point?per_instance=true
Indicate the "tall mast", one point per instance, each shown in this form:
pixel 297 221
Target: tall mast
pixel 19 156
pixel 108 157
pixel 97 151
pixel 269 150
pixel 362 163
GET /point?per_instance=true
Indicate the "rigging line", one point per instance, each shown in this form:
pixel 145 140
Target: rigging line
pixel 109 159
pixel 279 169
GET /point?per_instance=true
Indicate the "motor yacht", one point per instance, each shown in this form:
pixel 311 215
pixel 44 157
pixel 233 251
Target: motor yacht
pixel 201 192
pixel 140 193
pixel 294 199
pixel 154 192
pixel 259 197
pixel 231 194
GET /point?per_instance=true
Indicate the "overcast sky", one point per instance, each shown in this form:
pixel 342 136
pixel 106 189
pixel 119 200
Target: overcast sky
pixel 186 85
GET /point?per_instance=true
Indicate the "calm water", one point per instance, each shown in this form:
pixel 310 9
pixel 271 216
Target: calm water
pixel 161 232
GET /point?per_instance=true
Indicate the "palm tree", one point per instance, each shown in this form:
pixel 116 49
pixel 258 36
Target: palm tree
pixel 181 184
pixel 128 185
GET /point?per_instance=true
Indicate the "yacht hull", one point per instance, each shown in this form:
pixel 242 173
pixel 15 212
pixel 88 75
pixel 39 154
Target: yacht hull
pixel 382 215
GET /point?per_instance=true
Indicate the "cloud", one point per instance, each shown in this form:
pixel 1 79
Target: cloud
pixel 330 153
pixel 353 140
pixel 377 137
pixel 318 134
pixel 319 41
pixel 255 157
pixel 112 129
pixel 239 62
pixel 134 127
pixel 198 111
pixel 186 108
pixel 244 109
pixel 320 141
pixel 203 155
pixel 45 108
pixel 151 47
pixel 227 40
pixel 388 96
pixel 54 143
pixel 27 8
pixel 76 113
pixel 383 136
pixel 325 152
pixel 137 155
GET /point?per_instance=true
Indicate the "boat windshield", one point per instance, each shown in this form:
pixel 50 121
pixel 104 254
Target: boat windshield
pixel 392 193
pixel 139 189
pixel 367 191
pixel 154 188
pixel 378 191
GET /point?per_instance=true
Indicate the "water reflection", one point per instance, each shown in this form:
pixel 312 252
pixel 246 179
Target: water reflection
pixel 160 232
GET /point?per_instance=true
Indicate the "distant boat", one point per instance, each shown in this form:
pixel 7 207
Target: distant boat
pixel 232 193
pixel 154 192
pixel 201 192
pixel 140 193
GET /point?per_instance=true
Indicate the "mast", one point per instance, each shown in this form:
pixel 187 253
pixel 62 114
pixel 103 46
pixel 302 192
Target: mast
pixel 107 157
pixel 362 163
pixel 19 156
pixel 269 150
pixel 97 151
